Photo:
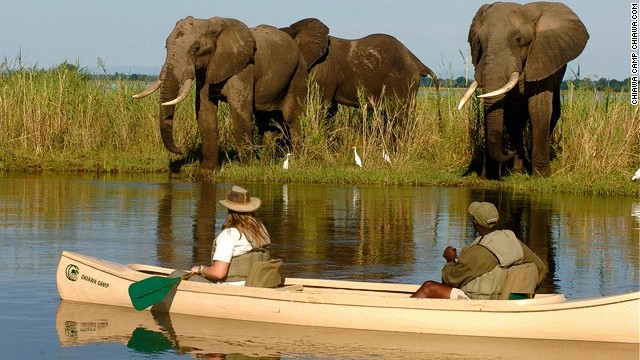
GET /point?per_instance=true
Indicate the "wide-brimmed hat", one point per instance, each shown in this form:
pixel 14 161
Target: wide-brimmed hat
pixel 240 200
pixel 485 213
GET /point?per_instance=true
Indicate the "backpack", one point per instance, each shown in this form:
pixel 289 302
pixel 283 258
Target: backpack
pixel 267 274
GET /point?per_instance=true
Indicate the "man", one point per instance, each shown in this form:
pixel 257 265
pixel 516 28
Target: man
pixel 480 270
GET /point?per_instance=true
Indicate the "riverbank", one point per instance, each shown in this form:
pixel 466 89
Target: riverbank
pixel 60 120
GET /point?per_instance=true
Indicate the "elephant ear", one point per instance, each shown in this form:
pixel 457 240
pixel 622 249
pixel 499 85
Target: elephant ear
pixel 560 38
pixel 312 37
pixel 474 34
pixel 235 47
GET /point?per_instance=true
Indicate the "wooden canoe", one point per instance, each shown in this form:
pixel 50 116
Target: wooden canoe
pixel 360 305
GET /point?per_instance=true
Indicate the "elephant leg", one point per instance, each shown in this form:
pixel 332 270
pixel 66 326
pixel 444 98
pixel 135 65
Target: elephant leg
pixel 540 112
pixel 494 116
pixel 294 105
pixel 239 93
pixel 557 81
pixel 207 114
pixel 555 115
pixel 516 118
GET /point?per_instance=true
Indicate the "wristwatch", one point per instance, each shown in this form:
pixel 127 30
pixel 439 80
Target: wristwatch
pixel 200 269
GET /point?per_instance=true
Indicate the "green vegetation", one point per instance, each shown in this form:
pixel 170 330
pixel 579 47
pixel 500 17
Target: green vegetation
pixel 601 84
pixel 62 119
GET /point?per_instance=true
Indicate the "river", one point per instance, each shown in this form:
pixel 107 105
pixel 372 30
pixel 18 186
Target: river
pixel 366 233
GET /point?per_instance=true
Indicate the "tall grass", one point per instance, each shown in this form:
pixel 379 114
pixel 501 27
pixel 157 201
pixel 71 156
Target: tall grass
pixel 598 138
pixel 60 119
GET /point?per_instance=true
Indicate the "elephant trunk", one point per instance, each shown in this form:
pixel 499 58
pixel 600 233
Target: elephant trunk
pixel 494 115
pixel 513 80
pixel 494 104
pixel 168 92
pixel 183 93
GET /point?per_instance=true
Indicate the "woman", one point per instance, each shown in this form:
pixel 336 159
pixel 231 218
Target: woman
pixel 243 241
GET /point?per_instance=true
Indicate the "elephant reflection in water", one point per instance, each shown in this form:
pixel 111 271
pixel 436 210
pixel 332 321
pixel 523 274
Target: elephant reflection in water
pixel 342 228
pixel 386 230
pixel 520 54
pixel 166 239
pixel 532 222
pixel 204 223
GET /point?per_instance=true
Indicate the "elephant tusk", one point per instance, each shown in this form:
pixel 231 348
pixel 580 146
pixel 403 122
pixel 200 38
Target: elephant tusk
pixel 148 91
pixel 472 88
pixel 186 87
pixel 513 80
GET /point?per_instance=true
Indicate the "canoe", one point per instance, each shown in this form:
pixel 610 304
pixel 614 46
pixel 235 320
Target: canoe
pixel 85 324
pixel 359 305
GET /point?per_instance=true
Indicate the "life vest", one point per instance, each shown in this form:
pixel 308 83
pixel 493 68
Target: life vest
pixel 240 265
pixel 506 247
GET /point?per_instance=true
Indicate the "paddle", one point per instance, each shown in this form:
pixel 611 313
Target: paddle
pixel 149 342
pixel 152 290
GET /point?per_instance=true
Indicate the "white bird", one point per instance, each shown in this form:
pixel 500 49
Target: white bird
pixel 636 175
pixel 356 157
pixel 285 165
pixel 385 156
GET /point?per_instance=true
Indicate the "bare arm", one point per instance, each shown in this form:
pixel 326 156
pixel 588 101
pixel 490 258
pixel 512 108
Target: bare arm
pixel 217 271
pixel 530 256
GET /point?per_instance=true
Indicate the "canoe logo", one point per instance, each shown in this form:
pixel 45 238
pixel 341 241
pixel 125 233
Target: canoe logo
pixel 72 272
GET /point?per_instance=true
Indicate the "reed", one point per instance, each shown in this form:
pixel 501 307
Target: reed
pixel 60 119
pixel 63 120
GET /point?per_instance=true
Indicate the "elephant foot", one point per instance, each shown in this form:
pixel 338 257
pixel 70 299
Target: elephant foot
pixel 518 165
pixel 208 167
pixel 544 172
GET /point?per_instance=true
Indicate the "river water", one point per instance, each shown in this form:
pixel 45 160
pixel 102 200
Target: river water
pixel 372 233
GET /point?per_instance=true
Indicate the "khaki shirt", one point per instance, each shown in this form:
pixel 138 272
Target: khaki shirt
pixel 475 260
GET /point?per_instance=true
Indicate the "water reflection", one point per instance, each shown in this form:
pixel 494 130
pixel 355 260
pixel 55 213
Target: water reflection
pixel 398 233
pixel 158 333
pixel 377 233
pixel 204 223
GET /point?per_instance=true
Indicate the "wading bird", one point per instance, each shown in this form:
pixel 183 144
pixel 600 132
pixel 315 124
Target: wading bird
pixel 636 175
pixel 385 156
pixel 356 157
pixel 285 165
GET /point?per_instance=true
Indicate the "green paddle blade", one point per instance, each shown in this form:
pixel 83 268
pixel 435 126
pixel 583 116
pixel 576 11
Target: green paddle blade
pixel 150 291
pixel 148 341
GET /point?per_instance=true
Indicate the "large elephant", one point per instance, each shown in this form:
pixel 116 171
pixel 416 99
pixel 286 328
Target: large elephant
pixel 258 69
pixel 520 54
pixel 343 67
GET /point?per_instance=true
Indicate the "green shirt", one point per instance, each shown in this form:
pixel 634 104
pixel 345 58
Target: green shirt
pixel 475 260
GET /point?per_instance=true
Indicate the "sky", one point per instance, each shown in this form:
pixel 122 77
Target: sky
pixel 128 36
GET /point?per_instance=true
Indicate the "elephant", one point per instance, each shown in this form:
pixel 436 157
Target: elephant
pixel 520 54
pixel 374 63
pixel 254 70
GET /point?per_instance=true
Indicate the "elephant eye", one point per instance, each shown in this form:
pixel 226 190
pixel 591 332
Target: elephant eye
pixel 521 41
pixel 522 38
